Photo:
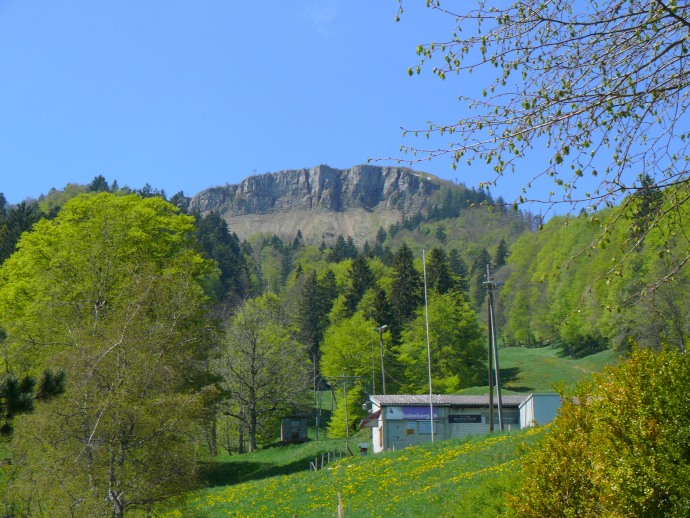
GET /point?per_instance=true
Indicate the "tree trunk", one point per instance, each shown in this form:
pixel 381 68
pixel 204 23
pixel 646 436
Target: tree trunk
pixel 252 432
pixel 226 436
pixel 240 438
pixel 212 435
pixel 118 507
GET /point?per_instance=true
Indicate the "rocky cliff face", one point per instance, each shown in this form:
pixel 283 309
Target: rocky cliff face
pixel 322 202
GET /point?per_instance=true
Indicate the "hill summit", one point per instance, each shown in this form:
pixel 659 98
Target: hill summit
pixel 321 202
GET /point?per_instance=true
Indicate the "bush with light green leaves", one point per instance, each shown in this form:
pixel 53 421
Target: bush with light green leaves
pixel 620 446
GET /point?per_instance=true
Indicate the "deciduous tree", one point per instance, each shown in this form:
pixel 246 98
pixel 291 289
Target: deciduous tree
pixel 603 86
pixel 111 292
pixel 263 369
pixel 457 346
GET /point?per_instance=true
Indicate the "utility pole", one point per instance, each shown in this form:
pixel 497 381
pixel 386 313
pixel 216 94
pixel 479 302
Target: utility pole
pixel 381 329
pixel 493 352
pixel 347 420
pixel 491 374
pixel 317 400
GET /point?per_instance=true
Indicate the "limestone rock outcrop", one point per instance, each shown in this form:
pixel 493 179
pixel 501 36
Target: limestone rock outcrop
pixel 322 201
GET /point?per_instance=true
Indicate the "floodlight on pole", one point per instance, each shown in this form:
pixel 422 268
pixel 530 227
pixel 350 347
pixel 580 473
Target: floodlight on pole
pixel 381 329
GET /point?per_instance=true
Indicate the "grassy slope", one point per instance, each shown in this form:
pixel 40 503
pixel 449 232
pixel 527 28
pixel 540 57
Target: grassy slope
pixel 544 369
pixel 450 478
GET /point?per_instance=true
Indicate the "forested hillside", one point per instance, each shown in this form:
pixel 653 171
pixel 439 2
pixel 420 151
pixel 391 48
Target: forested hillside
pixel 584 286
pixel 151 336
pixel 147 334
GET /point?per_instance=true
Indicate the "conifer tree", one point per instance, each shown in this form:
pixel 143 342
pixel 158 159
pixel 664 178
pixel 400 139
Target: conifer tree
pixel 310 315
pixel 501 254
pixel 315 304
pixel 99 184
pixel 328 290
pixel 381 313
pixel 361 279
pixel 438 274
pixel 18 219
pixel 223 246
pixel 350 248
pixel 479 275
pixel 458 267
pixel 441 234
pixel 381 235
pixel 644 211
pixel 406 289
pixel 339 250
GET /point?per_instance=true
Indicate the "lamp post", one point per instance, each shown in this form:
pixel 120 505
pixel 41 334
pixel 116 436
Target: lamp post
pixel 381 329
pixel 373 365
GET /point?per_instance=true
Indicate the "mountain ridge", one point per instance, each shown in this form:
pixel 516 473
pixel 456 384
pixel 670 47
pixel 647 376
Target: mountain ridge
pixel 322 202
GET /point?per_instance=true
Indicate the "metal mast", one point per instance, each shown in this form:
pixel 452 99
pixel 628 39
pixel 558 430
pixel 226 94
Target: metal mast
pixel 493 353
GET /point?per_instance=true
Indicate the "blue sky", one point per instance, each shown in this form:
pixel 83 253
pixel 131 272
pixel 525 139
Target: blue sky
pixel 186 95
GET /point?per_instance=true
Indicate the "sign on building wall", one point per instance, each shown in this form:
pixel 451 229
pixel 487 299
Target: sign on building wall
pixel 417 412
pixel 465 418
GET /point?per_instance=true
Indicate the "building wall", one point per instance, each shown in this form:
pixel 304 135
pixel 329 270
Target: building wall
pixel 539 409
pixel 293 429
pixel 400 426
pixel 474 421
pixel 450 422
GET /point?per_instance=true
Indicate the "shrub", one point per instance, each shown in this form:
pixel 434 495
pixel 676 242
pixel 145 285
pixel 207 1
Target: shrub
pixel 620 446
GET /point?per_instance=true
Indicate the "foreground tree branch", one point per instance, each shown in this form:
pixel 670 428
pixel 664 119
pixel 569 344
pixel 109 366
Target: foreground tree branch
pixel 603 86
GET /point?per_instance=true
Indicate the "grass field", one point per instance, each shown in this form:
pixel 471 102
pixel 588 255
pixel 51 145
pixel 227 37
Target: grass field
pixel 457 478
pixel 448 478
pixel 544 369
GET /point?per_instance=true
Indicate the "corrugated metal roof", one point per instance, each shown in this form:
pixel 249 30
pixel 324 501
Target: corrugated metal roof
pixel 446 400
pixel 371 421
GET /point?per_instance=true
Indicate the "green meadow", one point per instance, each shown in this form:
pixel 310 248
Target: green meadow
pixel 448 478
pixel 544 369
pixel 467 477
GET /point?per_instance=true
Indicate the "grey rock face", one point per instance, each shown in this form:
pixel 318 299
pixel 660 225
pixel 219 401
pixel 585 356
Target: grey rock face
pixel 323 201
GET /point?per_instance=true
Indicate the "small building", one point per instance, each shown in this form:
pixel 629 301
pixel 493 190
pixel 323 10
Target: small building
pixel 539 409
pixel 398 421
pixel 293 429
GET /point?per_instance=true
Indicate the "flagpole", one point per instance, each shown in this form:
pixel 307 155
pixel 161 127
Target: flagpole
pixel 428 350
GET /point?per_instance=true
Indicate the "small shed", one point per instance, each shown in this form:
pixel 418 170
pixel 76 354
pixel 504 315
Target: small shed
pixel 539 409
pixel 293 429
pixel 403 420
